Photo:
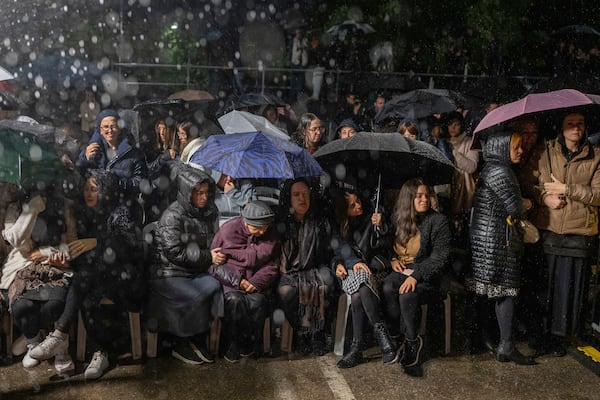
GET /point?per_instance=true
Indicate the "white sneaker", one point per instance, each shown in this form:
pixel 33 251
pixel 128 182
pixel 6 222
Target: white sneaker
pixel 50 347
pixel 19 346
pixel 63 363
pixel 28 361
pixel 97 366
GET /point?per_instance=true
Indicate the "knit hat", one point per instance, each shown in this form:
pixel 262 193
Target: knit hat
pixel 106 113
pixel 258 213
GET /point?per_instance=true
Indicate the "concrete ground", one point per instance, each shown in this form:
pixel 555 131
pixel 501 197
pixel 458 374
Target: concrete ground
pixel 289 377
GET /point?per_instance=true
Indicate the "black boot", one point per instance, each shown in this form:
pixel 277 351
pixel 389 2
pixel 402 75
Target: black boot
pixel 353 357
pixel 412 352
pixel 508 352
pixel 389 354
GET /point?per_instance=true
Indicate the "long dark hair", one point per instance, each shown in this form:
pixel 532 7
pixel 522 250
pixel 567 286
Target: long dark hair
pixel 341 211
pixel 303 125
pixel 405 215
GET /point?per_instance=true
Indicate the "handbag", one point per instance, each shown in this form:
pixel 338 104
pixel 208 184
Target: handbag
pixel 530 232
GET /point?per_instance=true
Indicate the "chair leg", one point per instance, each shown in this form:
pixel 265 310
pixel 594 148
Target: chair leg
pixel 151 344
pixel 423 323
pixel 81 339
pixel 341 322
pixel 267 336
pixel 287 333
pixel 448 322
pixel 7 327
pixel 215 336
pixel 136 335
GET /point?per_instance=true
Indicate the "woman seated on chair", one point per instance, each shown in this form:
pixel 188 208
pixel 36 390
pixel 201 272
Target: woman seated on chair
pixel 250 246
pixel 359 263
pixel 107 282
pixel 422 249
pixel 181 292
pixel 307 284
pixel 36 271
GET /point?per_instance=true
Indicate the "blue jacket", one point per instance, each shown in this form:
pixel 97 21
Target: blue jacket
pixel 129 166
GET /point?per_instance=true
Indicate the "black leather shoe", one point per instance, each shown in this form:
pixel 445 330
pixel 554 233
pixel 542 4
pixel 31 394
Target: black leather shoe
pixel 557 350
pixel 517 357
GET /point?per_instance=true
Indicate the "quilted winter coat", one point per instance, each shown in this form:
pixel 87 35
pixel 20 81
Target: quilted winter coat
pixel 496 246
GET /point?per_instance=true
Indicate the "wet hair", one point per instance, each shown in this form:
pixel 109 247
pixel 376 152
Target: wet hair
pixel 168 137
pixel 303 126
pixel 410 127
pixel 341 211
pixel 405 215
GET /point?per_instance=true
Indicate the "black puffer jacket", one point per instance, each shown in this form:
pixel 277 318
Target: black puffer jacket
pixel 496 246
pixel 184 233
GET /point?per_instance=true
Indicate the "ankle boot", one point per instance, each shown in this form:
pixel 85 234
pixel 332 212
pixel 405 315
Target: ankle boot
pixel 353 357
pixel 412 352
pixel 388 350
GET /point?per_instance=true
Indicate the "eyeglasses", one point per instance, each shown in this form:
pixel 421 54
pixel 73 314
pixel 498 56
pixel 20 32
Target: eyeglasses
pixel 317 128
pixel 109 128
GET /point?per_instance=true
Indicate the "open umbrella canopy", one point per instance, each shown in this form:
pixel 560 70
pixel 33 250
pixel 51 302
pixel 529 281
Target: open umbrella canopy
pixel 250 100
pixel 366 155
pixel 191 94
pixel 28 161
pixel 530 105
pixel 349 27
pixel 256 155
pixel 419 103
pixel 243 121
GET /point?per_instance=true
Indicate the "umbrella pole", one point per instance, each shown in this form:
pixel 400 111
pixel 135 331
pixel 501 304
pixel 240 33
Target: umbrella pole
pixel 378 190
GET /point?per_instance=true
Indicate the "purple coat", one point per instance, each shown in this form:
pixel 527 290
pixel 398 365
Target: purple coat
pixel 249 257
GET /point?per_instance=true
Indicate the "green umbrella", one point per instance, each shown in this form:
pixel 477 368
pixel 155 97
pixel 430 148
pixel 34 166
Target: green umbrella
pixel 27 161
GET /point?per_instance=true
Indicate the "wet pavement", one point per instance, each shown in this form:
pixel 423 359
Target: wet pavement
pixel 290 377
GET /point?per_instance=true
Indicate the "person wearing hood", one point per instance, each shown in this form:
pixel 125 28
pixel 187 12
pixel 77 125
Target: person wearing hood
pixel 563 178
pixel 110 149
pixel 347 128
pixel 250 245
pixel 182 295
pixel 496 239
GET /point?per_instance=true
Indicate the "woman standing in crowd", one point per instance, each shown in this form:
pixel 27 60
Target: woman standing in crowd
pixel 181 292
pixel 422 250
pixel 359 264
pixel 496 238
pixel 309 134
pixel 563 178
pixel 307 284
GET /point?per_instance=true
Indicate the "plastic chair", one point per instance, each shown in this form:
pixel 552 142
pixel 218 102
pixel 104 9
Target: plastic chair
pixel 134 329
pixel 447 322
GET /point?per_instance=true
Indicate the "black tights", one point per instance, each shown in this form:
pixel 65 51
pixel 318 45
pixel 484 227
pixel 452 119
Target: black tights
pixel 505 309
pixel 30 315
pixel 364 303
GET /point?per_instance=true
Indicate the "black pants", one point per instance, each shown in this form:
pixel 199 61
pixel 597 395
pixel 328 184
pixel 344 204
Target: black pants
pixel 245 315
pixel 405 307
pixel 32 315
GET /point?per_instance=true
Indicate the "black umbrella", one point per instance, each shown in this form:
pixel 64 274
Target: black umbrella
pixel 578 34
pixel 250 100
pixel 419 103
pixel 391 157
pixel 349 27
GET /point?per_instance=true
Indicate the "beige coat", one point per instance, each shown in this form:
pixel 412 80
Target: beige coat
pixel 581 175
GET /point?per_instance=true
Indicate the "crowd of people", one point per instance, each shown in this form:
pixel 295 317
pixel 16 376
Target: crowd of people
pixel 218 252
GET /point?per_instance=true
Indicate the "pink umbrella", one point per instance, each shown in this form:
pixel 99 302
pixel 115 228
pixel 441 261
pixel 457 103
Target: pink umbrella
pixel 531 104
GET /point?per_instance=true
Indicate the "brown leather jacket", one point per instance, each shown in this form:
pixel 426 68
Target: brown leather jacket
pixel 582 176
